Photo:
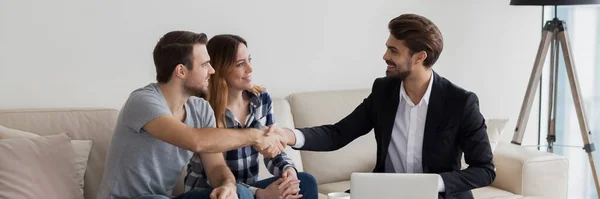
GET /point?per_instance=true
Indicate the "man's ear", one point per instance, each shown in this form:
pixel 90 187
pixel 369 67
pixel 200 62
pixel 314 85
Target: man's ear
pixel 180 70
pixel 420 57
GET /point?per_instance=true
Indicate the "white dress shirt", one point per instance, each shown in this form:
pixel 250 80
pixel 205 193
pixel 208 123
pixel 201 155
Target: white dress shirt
pixel 406 145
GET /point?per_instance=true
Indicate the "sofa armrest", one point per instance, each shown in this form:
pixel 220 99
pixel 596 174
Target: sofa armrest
pixel 530 172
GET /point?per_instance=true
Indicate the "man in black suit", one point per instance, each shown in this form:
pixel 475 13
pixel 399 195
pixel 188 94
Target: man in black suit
pixel 423 123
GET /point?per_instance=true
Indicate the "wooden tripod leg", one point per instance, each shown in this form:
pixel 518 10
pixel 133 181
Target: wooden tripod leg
pixel 534 80
pixel 576 92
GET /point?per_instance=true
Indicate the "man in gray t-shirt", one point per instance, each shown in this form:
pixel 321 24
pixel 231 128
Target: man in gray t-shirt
pixel 162 124
pixel 137 156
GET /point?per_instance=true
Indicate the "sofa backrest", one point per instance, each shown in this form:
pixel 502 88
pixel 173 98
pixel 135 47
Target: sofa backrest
pixel 328 107
pixel 80 124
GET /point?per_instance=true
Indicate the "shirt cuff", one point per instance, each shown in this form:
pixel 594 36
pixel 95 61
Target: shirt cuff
pixel 299 138
pixel 289 165
pixel 441 185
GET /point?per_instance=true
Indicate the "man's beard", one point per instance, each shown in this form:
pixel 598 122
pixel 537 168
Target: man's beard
pixel 192 91
pixel 403 74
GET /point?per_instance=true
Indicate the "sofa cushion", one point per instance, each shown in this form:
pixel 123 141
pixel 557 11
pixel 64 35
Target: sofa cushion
pixel 322 196
pixel 81 148
pixel 8 133
pixel 495 128
pixel 529 172
pixel 328 107
pixel 480 193
pixel 334 187
pixel 80 124
pixel 493 192
pixel 39 167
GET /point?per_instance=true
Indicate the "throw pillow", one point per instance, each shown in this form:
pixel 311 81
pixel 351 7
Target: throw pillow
pixel 81 148
pixel 38 168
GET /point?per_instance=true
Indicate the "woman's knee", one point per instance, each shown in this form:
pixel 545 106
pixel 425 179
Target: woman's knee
pixel 308 186
pixel 243 192
pixel 307 178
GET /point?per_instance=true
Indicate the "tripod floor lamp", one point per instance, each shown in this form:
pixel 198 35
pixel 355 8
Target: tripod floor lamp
pixel 554 35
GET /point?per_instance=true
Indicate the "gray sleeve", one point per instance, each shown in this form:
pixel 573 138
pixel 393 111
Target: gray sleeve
pixel 141 108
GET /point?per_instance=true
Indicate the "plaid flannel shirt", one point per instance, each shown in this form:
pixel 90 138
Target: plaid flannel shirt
pixel 243 162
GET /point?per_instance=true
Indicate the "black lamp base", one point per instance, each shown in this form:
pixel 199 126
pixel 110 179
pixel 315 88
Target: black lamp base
pixel 552 2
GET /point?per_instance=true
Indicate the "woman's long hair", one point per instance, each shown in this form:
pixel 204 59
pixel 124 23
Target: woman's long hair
pixel 222 50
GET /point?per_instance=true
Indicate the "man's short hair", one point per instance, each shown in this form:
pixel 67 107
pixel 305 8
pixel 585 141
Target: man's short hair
pixel 419 34
pixel 174 48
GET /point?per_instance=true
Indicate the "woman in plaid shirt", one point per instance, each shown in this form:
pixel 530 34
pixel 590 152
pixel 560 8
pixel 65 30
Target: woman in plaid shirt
pixel 238 103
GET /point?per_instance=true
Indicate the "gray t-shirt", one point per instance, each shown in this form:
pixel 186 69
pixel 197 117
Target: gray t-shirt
pixel 139 164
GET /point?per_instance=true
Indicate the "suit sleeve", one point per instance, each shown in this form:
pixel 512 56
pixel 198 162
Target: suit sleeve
pixel 475 144
pixel 333 137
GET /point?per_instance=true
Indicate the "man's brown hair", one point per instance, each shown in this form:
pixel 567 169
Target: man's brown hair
pixel 174 48
pixel 419 34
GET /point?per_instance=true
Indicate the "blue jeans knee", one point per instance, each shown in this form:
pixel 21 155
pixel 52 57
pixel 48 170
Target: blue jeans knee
pixel 243 192
pixel 308 186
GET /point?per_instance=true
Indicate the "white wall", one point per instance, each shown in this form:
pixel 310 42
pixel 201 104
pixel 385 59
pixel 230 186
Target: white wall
pixel 73 53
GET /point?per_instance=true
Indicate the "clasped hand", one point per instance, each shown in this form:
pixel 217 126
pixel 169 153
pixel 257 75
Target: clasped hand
pixel 272 141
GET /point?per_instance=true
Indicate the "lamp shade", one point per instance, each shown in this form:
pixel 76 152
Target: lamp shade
pixel 552 2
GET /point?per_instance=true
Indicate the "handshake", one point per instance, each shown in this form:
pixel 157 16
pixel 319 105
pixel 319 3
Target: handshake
pixel 272 141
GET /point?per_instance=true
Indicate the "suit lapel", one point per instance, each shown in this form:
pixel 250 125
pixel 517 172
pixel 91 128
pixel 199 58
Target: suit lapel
pixel 434 111
pixel 390 106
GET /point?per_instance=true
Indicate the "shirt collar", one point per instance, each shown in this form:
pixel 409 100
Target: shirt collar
pixel 426 96
pixel 254 98
pixel 254 103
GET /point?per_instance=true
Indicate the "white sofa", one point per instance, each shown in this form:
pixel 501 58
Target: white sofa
pixel 520 172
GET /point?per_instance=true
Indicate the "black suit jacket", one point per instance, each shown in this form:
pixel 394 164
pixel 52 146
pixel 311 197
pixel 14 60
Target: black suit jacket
pixel 453 125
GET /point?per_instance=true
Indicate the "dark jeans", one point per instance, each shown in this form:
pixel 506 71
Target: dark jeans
pixel 203 193
pixel 308 185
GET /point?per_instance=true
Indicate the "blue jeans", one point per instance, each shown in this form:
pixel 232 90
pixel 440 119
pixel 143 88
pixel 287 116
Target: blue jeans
pixel 308 185
pixel 203 193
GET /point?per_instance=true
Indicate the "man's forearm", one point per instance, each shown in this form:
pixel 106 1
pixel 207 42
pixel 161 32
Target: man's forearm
pixel 223 176
pixel 468 179
pixel 217 140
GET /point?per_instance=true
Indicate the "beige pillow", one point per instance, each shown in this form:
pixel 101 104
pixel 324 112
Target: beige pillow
pixel 38 168
pixel 81 148
pixel 495 127
pixel 7 133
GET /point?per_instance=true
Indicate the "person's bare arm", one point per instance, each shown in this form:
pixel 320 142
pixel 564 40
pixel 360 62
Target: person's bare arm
pixel 210 140
pixel 216 169
pixel 219 176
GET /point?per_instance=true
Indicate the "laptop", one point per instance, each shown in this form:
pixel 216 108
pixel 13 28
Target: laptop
pixel 394 186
